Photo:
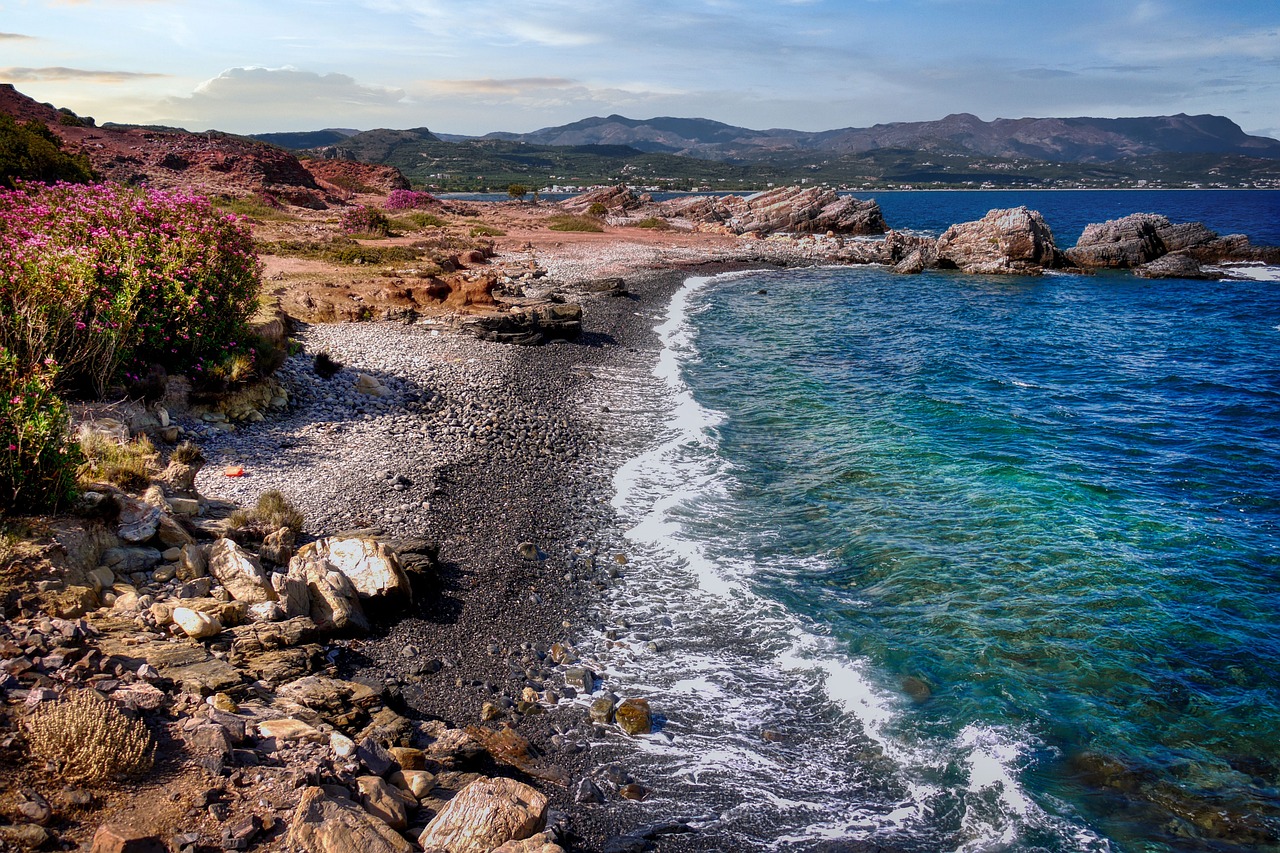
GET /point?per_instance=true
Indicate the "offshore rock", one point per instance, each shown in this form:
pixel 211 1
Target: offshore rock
pixel 484 815
pixel 1016 241
pixel 785 209
pixel 1175 265
pixel 1134 240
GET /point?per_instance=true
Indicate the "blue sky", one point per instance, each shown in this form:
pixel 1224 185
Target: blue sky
pixel 474 66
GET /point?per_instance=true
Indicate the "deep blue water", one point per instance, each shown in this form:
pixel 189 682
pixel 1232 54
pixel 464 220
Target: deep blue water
pixel 1024 534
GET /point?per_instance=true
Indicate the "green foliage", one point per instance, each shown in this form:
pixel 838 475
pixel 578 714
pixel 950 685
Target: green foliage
pixel 486 231
pixel 566 222
pixel 597 209
pixel 130 465
pixel 272 512
pixel 187 453
pixel 38 460
pixel 31 152
pixel 262 207
pixel 517 191
pixel 341 251
pixel 654 222
pixel 427 220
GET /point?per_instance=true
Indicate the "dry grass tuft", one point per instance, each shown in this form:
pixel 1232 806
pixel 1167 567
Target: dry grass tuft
pixel 90 738
pixel 129 466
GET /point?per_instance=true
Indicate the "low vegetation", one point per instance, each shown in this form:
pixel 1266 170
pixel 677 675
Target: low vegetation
pixel 567 222
pixel 655 223
pixel 410 200
pixel 29 151
pixel 90 738
pixel 486 231
pixel 272 512
pixel 130 465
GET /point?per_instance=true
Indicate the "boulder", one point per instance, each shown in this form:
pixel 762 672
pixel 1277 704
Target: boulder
pixel 540 843
pixel 138 521
pixel 324 825
pixel 526 324
pixel 371 566
pixel 384 802
pixel 240 573
pixel 634 716
pixel 334 602
pixel 1135 240
pixel 278 547
pixel 486 814
pixel 198 625
pixel 122 838
pixel 1004 242
pixel 193 563
pixel 619 199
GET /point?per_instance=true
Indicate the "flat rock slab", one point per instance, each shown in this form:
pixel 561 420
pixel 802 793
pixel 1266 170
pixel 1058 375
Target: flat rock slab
pixel 324 825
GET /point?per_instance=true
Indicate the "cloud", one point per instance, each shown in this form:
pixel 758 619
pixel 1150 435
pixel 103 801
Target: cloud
pixel 489 86
pixel 1046 73
pixel 62 75
pixel 15 37
pixel 251 99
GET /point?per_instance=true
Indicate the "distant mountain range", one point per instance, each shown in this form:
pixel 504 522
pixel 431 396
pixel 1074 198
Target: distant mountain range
pixel 960 150
pixel 1058 140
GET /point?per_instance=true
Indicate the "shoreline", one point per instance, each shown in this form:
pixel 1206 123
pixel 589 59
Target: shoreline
pixel 495 614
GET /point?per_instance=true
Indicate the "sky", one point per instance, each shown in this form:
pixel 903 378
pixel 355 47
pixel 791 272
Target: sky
pixel 476 66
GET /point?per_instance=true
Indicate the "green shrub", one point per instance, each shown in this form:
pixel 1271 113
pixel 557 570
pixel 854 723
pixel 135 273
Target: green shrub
pixel 427 220
pixel 129 466
pixel 654 222
pixel 597 209
pixel 486 231
pixel 261 206
pixel 38 460
pixel 566 222
pixel 272 512
pixel 31 152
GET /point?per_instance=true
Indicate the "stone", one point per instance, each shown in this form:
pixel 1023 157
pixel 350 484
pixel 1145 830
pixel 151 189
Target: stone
pixel 507 746
pixel 33 807
pixel 138 521
pixel 322 824
pixel 375 756
pixel 127 560
pixel 634 716
pixel 1016 241
pixel 184 506
pixel 342 746
pixel 239 572
pixel 292 593
pixel 789 209
pixel 278 547
pixel 172 534
pixel 371 566
pixel 193 563
pixel 23 836
pixel 484 815
pixel 102 578
pixel 540 843
pixel 580 678
pixel 408 758
pixel 288 728
pixel 334 602
pixel 266 611
pixel 378 800
pixel 417 782
pixel 122 838
pixel 602 708
pixel 196 624
pixel 366 384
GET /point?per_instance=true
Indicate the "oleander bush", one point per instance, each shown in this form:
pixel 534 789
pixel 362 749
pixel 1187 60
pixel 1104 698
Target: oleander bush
pixel 90 738
pixel 409 200
pixel 363 219
pixel 99 278
pixel 38 459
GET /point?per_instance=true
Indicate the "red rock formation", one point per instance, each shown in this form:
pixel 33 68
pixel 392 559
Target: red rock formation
pixel 803 210
pixel 351 176
pixel 1004 242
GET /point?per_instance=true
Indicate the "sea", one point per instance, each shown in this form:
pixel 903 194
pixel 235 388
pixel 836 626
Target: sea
pixel 960 563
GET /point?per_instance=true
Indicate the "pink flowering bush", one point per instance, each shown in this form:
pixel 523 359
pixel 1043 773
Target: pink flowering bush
pixel 409 200
pixel 100 277
pixel 38 461
pixel 364 220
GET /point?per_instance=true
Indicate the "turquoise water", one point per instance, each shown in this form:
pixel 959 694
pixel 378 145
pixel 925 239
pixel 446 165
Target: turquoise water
pixel 949 562
pixel 1054 503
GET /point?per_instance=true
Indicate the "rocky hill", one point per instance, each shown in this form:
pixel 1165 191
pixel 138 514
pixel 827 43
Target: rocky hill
pixel 1060 140
pixel 171 158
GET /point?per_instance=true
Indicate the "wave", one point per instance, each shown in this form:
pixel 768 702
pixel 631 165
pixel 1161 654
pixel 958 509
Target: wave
pixel 768 723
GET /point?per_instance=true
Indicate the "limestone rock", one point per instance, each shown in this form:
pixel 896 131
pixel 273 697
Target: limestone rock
pixel 290 729
pixel 292 593
pixel 196 624
pixel 138 521
pixel 324 825
pixel 383 801
pixel 619 199
pixel 791 209
pixel 366 384
pixel 486 814
pixel 239 572
pixel 127 560
pixel 278 547
pixel 372 567
pixel 417 782
pixel 1173 265
pixel 1004 242
pixel 172 534
pixel 334 601
pixel 1134 240
pixel 540 843
pixel 193 563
